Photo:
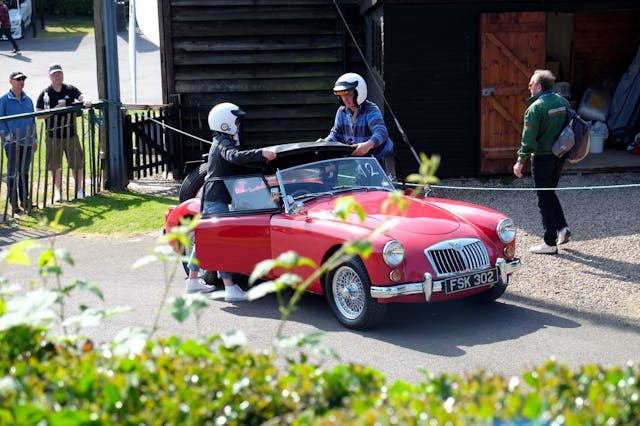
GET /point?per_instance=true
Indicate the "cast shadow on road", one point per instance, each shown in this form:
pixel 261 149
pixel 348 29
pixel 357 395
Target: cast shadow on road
pixel 17 58
pixel 608 267
pixel 142 44
pixel 440 329
pixel 78 215
pixel 68 43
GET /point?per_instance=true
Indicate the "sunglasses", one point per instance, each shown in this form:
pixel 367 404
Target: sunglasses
pixel 342 92
pixel 19 79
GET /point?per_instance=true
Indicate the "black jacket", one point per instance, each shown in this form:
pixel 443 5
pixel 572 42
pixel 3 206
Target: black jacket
pixel 225 160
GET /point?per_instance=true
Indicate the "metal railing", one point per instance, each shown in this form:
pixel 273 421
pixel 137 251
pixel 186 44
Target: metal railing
pixel 69 137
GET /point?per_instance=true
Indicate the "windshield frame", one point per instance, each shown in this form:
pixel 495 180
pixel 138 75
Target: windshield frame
pixel 328 178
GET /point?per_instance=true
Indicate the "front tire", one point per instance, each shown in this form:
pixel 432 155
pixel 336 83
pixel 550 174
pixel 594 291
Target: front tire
pixel 490 295
pixel 348 291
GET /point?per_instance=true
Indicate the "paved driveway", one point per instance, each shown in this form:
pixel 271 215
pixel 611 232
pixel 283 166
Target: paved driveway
pixel 505 337
pixel 77 55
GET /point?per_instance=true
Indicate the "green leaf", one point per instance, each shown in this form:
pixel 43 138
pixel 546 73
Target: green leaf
pixel 261 290
pixel 88 318
pixel 32 309
pixel 179 309
pixel 91 286
pixel 234 338
pixel 17 254
pixel 261 269
pixel 130 340
pixel 345 206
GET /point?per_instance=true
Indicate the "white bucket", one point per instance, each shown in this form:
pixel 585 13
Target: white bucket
pixel 597 144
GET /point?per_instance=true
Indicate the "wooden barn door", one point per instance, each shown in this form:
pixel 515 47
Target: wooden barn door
pixel 513 46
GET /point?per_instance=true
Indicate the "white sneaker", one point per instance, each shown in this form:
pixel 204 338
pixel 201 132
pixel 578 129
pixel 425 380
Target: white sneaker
pixel 193 285
pixel 564 235
pixel 80 194
pixel 58 196
pixel 233 293
pixel 543 249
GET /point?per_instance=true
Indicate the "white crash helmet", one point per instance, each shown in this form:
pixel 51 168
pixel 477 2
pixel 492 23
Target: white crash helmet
pixel 352 81
pixel 222 118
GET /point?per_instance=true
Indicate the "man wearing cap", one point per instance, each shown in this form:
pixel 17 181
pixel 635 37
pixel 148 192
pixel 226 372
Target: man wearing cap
pixel 5 26
pixel 61 131
pixel 19 140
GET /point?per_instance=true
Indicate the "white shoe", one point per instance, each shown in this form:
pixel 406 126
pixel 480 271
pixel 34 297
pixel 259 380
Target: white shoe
pixel 58 196
pixel 233 293
pixel 193 285
pixel 80 194
pixel 564 235
pixel 543 249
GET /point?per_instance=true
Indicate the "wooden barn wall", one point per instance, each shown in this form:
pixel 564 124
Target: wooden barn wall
pixel 431 73
pixel 431 78
pixel 278 60
pixel 604 44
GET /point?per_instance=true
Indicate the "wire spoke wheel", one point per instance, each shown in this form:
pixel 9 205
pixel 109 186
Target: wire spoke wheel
pixel 348 292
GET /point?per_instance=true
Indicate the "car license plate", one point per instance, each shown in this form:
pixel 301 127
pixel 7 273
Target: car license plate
pixel 466 282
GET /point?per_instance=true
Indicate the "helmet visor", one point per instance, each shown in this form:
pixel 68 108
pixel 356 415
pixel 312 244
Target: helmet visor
pixel 345 86
pixel 238 113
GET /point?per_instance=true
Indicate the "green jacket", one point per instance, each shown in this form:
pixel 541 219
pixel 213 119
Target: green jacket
pixel 543 121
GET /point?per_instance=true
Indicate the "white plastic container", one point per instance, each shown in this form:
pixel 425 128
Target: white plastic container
pixel 599 133
pixel 597 144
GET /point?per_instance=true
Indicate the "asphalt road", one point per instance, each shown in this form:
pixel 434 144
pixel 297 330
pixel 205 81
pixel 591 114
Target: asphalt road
pixel 77 55
pixel 506 337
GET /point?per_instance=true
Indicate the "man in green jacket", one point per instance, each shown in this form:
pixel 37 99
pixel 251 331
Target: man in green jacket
pixel 544 119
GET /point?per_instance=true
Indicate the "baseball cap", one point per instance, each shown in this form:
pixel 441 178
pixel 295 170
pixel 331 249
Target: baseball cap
pixel 54 68
pixel 15 75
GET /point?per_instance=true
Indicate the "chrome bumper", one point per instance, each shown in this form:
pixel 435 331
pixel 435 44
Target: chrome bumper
pixel 428 286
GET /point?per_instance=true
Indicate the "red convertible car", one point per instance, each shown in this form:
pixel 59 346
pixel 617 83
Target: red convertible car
pixel 436 250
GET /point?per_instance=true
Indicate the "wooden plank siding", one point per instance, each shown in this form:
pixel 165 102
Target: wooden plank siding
pixel 432 72
pixel 278 60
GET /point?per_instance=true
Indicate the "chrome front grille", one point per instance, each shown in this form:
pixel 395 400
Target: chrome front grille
pixel 455 256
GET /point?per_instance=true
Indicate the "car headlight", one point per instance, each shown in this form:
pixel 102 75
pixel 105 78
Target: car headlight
pixel 506 230
pixel 393 253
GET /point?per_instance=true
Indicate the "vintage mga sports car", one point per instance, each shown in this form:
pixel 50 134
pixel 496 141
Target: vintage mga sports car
pixel 437 250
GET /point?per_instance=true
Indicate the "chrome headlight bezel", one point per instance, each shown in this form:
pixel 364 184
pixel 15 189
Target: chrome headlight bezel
pixel 506 230
pixel 393 253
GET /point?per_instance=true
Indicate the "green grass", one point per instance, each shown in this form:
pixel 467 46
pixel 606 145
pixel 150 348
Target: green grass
pixel 67 27
pixel 108 213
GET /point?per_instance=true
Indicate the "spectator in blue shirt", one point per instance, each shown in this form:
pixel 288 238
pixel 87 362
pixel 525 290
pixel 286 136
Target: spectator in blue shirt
pixel 19 140
pixel 359 122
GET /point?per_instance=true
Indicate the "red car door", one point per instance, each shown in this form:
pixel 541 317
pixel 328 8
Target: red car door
pixel 236 241
pixel 233 243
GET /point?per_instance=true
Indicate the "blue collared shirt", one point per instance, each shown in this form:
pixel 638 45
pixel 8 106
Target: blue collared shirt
pixel 11 105
pixel 368 125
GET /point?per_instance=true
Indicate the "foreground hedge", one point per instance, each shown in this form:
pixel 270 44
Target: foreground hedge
pixel 213 382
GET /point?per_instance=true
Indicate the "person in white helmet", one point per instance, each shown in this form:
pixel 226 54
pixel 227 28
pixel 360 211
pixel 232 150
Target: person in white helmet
pixel 359 121
pixel 224 160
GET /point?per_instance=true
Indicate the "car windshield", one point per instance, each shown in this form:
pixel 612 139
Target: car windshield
pixel 333 176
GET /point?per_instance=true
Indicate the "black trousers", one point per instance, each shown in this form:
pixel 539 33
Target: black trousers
pixel 546 170
pixel 7 32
